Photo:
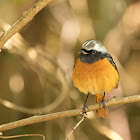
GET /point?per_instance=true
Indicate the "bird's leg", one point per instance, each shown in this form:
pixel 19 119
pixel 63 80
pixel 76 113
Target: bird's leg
pixel 85 106
pixel 103 102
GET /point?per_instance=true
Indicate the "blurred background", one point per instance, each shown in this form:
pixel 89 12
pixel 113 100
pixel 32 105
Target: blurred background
pixel 37 64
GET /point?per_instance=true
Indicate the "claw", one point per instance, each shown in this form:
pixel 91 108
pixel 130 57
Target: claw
pixel 85 106
pixel 84 109
pixel 103 102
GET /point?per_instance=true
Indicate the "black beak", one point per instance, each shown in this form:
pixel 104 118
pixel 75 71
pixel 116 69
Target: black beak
pixel 82 52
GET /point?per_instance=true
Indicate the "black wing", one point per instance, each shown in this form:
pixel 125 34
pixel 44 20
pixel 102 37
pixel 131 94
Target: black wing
pixel 109 57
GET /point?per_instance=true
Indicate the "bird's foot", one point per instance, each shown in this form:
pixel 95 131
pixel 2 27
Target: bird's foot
pixel 103 102
pixel 84 109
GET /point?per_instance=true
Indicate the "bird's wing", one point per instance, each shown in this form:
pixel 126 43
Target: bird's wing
pixel 109 57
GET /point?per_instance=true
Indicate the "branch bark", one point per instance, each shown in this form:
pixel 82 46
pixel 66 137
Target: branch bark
pixel 69 113
pixel 23 21
pixel 24 135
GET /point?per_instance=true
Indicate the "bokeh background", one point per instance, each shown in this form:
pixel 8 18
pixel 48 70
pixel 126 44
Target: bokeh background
pixel 36 66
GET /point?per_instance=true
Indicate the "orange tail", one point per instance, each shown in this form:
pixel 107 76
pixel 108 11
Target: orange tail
pixel 101 112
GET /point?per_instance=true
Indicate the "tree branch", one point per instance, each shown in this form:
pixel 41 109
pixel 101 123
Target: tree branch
pixel 23 21
pixel 74 128
pixel 69 113
pixel 24 135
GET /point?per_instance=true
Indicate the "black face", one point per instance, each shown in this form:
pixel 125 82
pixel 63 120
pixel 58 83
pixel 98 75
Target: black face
pixel 90 51
pixel 91 56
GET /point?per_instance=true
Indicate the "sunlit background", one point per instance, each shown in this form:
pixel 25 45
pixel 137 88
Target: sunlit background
pixel 36 66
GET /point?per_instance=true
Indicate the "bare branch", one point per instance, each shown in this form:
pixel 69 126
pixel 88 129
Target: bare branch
pixel 69 113
pixel 74 128
pixel 24 135
pixel 23 21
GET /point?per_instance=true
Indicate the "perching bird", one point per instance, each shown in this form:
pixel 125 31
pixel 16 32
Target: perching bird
pixel 95 73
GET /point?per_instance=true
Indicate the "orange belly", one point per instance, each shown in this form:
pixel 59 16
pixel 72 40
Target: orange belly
pixel 95 78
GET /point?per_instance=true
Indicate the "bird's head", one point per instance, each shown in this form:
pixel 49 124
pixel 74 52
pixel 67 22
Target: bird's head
pixel 92 47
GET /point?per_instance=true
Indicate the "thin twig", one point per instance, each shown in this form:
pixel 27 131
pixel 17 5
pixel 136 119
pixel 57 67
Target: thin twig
pixel 68 113
pixel 24 135
pixel 23 21
pixel 74 128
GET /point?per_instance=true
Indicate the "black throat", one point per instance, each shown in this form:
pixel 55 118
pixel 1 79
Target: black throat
pixel 90 58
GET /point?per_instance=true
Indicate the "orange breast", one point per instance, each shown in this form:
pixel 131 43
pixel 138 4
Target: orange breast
pixel 95 78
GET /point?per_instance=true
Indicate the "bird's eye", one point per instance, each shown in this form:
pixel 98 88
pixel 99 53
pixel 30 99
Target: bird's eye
pixel 93 51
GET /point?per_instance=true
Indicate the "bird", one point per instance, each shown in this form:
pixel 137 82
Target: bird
pixel 96 73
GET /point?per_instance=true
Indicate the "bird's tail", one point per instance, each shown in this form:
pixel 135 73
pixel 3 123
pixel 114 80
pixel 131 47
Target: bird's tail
pixel 101 112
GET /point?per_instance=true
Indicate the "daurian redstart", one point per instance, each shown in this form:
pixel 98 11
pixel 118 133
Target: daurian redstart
pixel 95 73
